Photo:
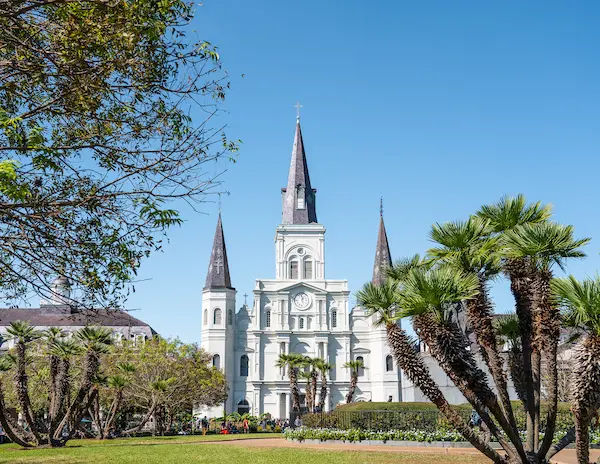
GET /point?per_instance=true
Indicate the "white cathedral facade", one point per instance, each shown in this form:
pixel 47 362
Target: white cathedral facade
pixel 298 311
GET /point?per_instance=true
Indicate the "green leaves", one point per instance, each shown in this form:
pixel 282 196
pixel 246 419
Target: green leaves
pixel 580 301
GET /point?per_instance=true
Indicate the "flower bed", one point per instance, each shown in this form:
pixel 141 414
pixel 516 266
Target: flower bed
pixel 356 435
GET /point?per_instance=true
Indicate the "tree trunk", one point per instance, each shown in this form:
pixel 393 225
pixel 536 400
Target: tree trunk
pixel 314 378
pixel 21 384
pixel 565 441
pixel 353 383
pixel 112 414
pixel 448 346
pixel 145 419
pixel 12 429
pixel 522 286
pixel 293 374
pixel 63 385
pixel 411 363
pixel 479 316
pixel 323 396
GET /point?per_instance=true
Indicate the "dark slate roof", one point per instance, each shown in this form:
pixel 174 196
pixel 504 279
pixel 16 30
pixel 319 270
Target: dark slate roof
pixel 383 257
pixel 218 267
pixel 48 318
pixel 299 184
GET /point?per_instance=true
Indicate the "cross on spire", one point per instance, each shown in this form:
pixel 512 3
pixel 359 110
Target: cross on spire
pixel 298 106
pixel 245 299
pixel 381 206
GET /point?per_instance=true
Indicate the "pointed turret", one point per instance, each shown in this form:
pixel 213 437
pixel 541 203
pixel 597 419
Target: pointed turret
pixel 218 267
pixel 299 197
pixel 383 257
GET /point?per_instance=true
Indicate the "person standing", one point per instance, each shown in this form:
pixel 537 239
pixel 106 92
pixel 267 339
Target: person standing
pixel 246 425
pixel 204 425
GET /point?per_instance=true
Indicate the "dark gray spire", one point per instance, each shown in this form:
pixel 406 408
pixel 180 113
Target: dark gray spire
pixel 383 257
pixel 299 197
pixel 218 267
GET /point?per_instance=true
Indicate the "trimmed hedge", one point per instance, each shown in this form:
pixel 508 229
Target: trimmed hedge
pixel 410 416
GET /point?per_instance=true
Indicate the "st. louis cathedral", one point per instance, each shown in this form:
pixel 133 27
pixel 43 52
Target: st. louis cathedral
pixel 299 311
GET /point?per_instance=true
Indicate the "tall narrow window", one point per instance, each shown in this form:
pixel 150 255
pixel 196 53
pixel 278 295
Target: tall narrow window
pixel 308 269
pixel 229 316
pixel 334 318
pixel 217 361
pixel 205 316
pixel 217 317
pixel 244 366
pixel 268 319
pixel 361 370
pixel 294 270
pixel 300 197
pixel 301 323
pixel 389 363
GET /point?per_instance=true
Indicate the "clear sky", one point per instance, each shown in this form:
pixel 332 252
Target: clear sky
pixel 438 106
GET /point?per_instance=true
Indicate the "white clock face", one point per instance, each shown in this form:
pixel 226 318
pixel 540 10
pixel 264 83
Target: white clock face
pixel 301 300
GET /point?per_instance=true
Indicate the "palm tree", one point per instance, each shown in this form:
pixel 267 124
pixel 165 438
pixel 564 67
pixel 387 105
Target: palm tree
pixel 468 247
pixel 354 367
pixel 23 335
pixel 94 341
pixel 383 302
pixel 306 375
pixel 428 298
pixel 292 362
pixel 581 304
pixel 506 215
pixel 324 368
pixel 117 383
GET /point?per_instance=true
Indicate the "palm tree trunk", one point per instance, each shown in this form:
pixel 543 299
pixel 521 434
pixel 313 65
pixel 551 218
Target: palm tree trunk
pixel 522 285
pixel 63 387
pixel 90 370
pixel 112 414
pixel 314 377
pixel 12 429
pixel 515 366
pixel 21 384
pixel 293 373
pixel 586 394
pixel 411 363
pixel 94 412
pixel 353 383
pixel 323 396
pixel 308 396
pixel 448 346
pixel 565 441
pixel 550 335
pixel 479 316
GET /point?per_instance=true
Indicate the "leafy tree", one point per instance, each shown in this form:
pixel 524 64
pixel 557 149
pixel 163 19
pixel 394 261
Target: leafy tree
pixel 354 367
pixel 170 378
pixel 98 141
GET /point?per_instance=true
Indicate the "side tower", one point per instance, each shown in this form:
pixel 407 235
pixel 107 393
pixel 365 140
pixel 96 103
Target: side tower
pixel 218 310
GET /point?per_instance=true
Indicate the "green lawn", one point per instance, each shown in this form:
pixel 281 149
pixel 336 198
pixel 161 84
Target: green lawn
pixel 191 449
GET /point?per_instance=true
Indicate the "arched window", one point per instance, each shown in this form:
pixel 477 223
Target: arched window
pixel 361 370
pixel 243 407
pixel 217 317
pixel 301 323
pixel 205 316
pixel 294 269
pixel 334 318
pixel 300 197
pixel 389 363
pixel 217 361
pixel 308 268
pixel 268 318
pixel 244 366
pixel 229 316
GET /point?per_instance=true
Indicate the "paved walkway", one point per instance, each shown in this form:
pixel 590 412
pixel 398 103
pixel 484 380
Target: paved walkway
pixel 564 457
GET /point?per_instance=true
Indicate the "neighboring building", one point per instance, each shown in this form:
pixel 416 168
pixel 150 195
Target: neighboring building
pixel 299 311
pixel 60 312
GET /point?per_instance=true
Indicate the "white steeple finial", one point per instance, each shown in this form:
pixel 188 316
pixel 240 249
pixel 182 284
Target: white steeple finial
pixel 298 106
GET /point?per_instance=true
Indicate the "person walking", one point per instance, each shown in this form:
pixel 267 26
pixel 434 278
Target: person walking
pixel 204 425
pixel 246 425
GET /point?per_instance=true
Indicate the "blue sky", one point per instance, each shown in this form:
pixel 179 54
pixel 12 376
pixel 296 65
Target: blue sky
pixel 438 106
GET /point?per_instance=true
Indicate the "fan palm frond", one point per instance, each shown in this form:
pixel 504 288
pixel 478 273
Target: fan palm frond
pixel 511 212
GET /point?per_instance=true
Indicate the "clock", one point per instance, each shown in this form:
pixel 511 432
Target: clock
pixel 301 300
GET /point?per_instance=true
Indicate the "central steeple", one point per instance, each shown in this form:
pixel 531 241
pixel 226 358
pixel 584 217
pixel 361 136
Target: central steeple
pixel 218 276
pixel 299 197
pixel 383 257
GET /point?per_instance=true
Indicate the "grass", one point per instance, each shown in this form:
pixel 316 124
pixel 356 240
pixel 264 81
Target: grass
pixel 191 449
